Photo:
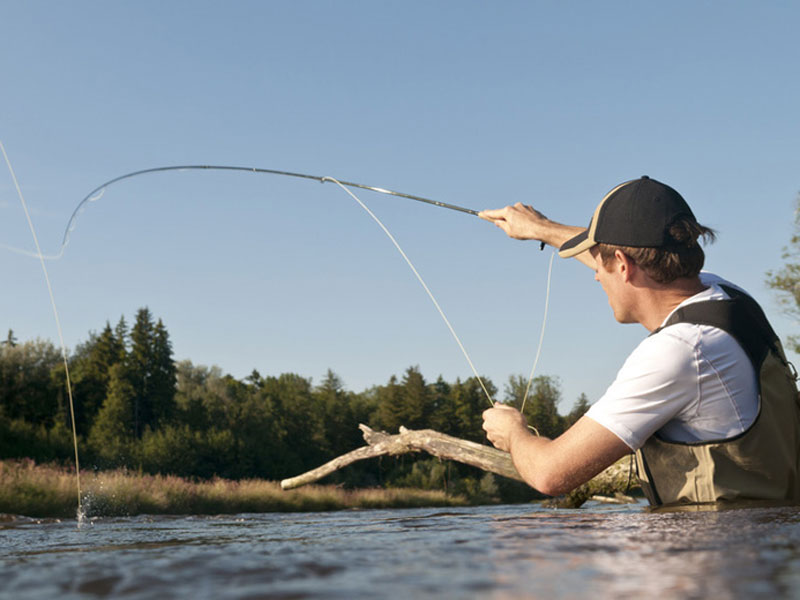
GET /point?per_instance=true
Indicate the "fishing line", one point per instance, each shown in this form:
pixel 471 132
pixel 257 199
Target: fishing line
pixel 23 252
pixel 422 281
pixel 541 335
pixel 58 324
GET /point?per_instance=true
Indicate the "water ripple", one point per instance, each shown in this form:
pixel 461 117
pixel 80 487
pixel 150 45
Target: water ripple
pixel 522 551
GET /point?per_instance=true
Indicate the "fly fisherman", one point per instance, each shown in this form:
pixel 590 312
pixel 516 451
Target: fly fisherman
pixel 707 401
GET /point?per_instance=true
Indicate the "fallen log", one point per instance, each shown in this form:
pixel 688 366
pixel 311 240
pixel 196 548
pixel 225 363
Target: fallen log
pixel 613 480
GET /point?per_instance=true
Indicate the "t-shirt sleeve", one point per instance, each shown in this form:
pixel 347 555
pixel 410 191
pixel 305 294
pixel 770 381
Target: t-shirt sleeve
pixel 657 382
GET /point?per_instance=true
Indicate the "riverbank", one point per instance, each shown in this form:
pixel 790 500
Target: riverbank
pixel 50 491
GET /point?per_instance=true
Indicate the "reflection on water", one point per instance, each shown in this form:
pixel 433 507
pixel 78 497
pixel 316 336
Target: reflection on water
pixel 522 551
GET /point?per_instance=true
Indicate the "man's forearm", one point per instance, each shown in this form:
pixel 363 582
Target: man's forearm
pixel 539 227
pixel 555 234
pixel 558 466
pixel 533 458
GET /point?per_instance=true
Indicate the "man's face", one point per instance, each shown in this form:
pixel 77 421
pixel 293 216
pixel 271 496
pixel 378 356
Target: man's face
pixel 611 278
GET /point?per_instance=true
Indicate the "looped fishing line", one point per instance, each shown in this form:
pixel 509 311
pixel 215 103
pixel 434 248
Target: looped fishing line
pixel 58 326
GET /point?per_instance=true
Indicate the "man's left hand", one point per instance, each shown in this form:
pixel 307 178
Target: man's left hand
pixel 502 424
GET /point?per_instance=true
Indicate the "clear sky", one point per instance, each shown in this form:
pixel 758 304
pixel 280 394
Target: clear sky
pixel 479 104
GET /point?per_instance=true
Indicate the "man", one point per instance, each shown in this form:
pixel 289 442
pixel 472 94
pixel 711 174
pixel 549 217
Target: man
pixel 707 401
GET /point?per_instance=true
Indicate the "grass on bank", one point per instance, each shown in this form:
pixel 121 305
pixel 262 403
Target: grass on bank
pixel 50 491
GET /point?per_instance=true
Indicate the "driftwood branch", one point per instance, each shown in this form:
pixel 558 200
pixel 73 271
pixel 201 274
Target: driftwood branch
pixel 612 481
pixel 424 440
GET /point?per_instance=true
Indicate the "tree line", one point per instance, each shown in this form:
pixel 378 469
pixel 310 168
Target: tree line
pixel 135 407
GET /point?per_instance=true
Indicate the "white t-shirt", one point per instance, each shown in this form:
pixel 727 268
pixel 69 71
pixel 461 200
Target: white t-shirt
pixel 688 382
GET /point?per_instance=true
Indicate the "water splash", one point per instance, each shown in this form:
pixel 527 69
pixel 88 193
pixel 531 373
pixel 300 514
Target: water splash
pixel 82 516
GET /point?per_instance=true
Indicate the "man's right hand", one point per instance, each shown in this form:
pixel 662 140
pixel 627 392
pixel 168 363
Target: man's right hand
pixel 519 221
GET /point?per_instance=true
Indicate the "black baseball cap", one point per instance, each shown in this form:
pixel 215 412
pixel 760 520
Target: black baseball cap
pixel 636 213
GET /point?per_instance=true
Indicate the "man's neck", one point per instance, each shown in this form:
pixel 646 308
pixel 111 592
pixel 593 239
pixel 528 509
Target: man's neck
pixel 662 299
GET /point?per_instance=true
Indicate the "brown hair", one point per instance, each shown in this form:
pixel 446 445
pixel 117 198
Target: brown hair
pixel 679 257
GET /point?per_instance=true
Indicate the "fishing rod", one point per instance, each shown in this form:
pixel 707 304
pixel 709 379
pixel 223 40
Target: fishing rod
pixel 100 188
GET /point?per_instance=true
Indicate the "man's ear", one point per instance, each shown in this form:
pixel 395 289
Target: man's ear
pixel 625 265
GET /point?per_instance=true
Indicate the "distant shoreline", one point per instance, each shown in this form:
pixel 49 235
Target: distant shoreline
pixel 49 491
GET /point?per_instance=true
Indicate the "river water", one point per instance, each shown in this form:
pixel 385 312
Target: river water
pixel 518 551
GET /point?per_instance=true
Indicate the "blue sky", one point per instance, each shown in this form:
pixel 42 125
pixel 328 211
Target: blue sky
pixel 473 103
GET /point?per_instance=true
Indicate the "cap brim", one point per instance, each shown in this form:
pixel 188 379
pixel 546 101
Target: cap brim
pixel 576 245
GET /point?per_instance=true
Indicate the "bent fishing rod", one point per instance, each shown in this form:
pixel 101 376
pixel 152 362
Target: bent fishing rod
pixel 100 188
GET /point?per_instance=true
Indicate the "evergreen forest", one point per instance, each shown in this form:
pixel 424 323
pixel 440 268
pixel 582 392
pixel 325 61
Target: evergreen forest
pixel 136 408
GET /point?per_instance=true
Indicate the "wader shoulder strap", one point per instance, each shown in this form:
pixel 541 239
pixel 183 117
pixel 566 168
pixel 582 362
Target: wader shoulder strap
pixel 740 316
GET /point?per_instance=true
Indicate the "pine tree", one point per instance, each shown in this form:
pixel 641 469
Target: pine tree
pixel 112 432
pixel 416 402
pixel 254 379
pixel 90 373
pixel 541 410
pixel 140 373
pixel 152 373
pixel 581 406
pixel 122 336
pixel 163 378
pixel 389 415
pixel 470 401
pixel 11 340
pixel 341 427
pixel 443 414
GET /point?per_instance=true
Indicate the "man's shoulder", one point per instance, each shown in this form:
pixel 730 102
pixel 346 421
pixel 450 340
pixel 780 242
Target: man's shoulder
pixel 714 281
pixel 666 354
